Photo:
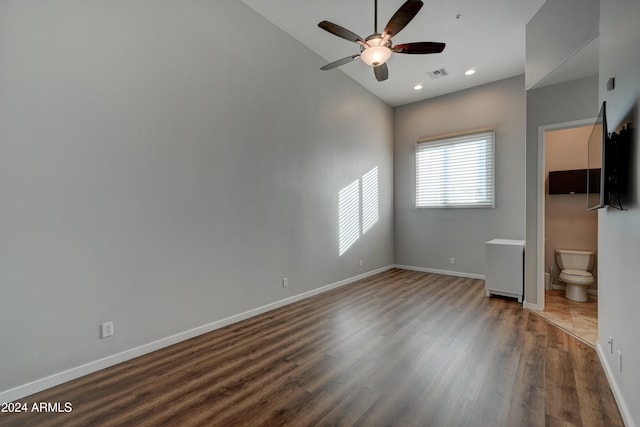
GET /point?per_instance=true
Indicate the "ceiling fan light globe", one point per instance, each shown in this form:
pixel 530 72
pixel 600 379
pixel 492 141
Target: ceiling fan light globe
pixel 375 55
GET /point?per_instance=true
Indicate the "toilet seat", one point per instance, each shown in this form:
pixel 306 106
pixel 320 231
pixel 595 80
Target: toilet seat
pixel 576 277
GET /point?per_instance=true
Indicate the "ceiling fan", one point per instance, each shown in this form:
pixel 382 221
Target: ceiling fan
pixel 376 49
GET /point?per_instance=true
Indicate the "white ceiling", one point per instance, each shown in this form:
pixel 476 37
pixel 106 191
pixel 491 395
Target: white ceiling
pixel 489 36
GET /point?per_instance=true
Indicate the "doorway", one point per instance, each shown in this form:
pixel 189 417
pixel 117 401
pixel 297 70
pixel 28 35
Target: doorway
pixel 565 223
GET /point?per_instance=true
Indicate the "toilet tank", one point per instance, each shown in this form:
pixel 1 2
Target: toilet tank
pixel 569 259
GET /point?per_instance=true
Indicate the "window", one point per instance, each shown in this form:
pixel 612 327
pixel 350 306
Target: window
pixel 456 171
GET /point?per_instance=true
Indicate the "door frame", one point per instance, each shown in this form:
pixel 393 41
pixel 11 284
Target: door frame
pixel 540 219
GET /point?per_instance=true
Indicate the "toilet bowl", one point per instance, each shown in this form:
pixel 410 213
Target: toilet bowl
pixel 575 271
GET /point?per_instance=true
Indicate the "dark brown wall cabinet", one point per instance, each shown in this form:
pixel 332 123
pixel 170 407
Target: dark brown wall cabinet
pixel 574 181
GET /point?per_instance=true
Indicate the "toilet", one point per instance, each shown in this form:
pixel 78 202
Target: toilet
pixel 575 271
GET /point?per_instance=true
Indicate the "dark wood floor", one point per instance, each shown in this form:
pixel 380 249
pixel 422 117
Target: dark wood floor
pixel 400 348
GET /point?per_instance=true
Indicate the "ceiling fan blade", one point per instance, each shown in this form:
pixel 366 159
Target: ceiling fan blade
pixel 402 17
pixel 340 62
pixel 419 48
pixel 381 72
pixel 339 31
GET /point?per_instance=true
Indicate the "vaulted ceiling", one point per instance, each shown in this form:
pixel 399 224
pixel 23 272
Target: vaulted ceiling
pixel 487 36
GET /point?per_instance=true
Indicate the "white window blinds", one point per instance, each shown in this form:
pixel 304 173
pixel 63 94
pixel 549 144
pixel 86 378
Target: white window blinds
pixel 456 171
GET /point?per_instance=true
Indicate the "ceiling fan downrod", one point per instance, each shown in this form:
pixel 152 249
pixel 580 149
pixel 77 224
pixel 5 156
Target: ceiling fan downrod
pixel 375 16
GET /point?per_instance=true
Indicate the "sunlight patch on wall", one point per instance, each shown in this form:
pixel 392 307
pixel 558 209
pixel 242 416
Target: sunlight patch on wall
pixel 349 215
pixel 369 199
pixel 359 197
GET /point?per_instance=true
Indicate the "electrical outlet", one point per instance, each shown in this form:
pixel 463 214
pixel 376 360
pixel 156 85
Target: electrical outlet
pixel 285 282
pixel 106 329
pixel 452 261
pixel 361 263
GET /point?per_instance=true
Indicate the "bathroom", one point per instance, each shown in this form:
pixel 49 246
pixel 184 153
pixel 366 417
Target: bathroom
pixel 569 225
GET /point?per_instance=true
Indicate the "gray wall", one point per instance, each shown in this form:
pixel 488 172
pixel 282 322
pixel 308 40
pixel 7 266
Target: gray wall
pixel 427 238
pixel 567 102
pixel 557 31
pixel 155 174
pixel 619 232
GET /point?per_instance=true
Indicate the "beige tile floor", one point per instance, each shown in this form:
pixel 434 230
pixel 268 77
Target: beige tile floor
pixel 579 319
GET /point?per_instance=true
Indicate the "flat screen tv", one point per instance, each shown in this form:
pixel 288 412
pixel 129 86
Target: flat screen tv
pixel 608 152
pixel 597 196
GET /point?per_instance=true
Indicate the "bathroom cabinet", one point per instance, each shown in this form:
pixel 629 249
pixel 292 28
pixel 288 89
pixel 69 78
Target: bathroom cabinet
pixel 574 181
pixel 504 268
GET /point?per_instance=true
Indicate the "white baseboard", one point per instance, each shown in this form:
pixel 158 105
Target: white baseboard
pixel 622 406
pixel 444 272
pixel 96 365
pixel 531 306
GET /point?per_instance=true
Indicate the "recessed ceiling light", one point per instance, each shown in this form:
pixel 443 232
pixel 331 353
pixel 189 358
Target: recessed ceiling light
pixel 470 72
pixel 417 87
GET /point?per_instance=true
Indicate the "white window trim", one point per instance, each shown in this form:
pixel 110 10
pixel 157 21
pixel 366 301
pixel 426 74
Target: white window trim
pixel 453 137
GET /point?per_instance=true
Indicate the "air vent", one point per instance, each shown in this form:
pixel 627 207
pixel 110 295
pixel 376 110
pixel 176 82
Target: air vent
pixel 436 74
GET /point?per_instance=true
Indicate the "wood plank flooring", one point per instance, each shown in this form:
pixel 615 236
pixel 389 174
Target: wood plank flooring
pixel 399 348
pixel 579 319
